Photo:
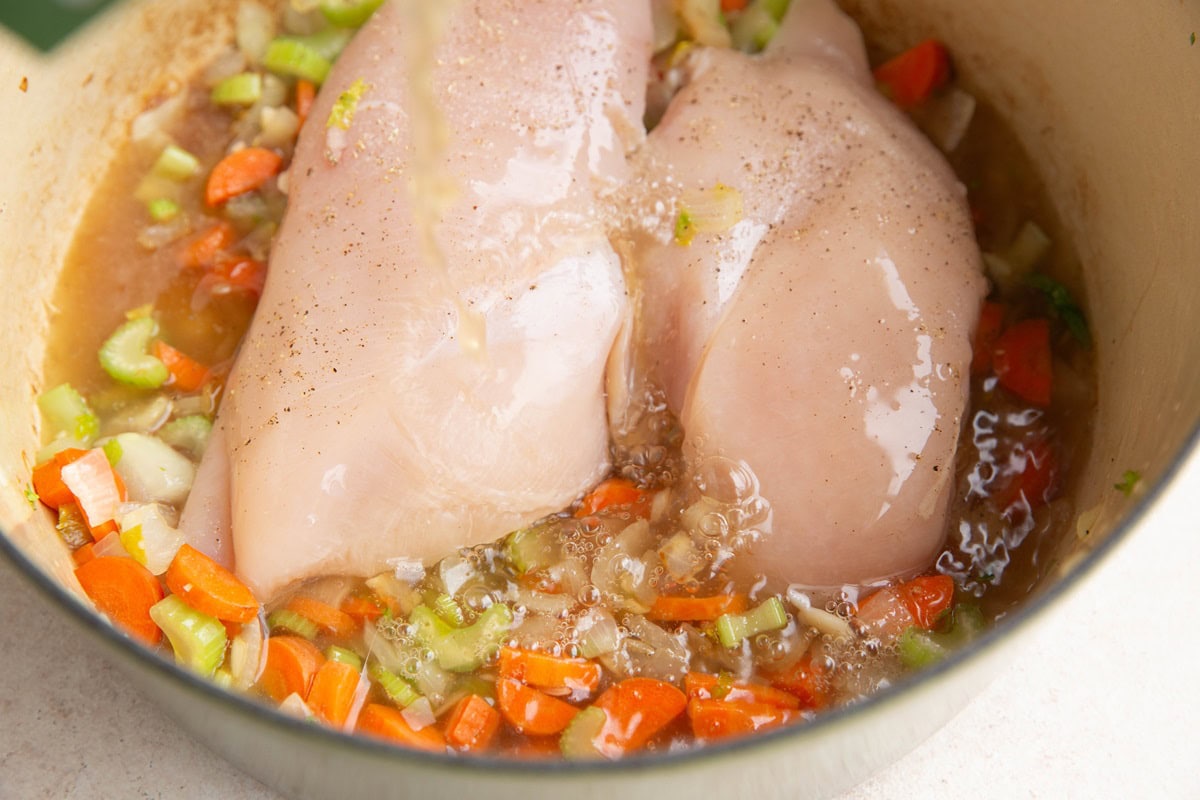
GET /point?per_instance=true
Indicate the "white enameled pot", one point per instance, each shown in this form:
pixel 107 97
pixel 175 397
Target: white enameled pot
pixel 1103 95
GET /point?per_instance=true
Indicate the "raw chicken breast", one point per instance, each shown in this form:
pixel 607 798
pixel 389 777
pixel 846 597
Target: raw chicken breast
pixel 824 339
pixel 358 427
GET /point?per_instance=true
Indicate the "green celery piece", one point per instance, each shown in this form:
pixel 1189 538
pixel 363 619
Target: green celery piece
pixel 113 451
pixel 530 548
pixel 67 412
pixel 964 623
pixel 292 57
pixel 189 434
pixel 243 89
pixel 1064 306
pixel 328 43
pixel 176 164
pixel 197 639
pixel 732 629
pixel 290 621
pixel 344 656
pixel 754 28
pixel 163 209
pixel 450 612
pixel 349 13
pixel 918 648
pixel 125 356
pixel 398 690
pixel 462 649
pixel 777 8
pixel 578 740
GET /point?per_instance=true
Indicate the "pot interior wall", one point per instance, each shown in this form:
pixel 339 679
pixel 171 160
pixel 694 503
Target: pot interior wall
pixel 1101 95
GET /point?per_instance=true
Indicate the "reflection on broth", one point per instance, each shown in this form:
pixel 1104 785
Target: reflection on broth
pixel 623 574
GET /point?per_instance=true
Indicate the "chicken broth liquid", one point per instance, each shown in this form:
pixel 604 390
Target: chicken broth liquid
pixel 644 592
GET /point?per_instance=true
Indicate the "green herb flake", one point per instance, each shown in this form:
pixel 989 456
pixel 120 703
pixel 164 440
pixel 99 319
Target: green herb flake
pixel 1193 37
pixel 1064 306
pixel 31 497
pixel 685 228
pixel 1129 482
pixel 342 113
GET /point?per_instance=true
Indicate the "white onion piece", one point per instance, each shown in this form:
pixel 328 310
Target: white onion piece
pixel 620 572
pixel 598 633
pixel 255 28
pixel 419 715
pixel 294 706
pixel 110 545
pixel 149 128
pixel 247 655
pixel 806 614
pixel 229 63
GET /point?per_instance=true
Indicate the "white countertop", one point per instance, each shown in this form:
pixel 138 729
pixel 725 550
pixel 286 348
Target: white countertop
pixel 1102 703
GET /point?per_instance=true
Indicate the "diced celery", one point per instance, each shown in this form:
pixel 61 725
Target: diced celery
pixel 732 629
pixel 153 472
pixel 243 89
pixel 328 43
pixel 287 56
pixel 189 434
pixel 398 690
pixel 67 413
pixel 281 619
pixel 963 624
pixel 343 655
pixel 197 639
pixel 126 357
pixel 223 678
pixel 530 548
pixel 445 607
pixel 112 451
pixel 918 648
pixel 163 209
pixel 776 8
pixel 754 28
pixel 176 164
pixel 578 740
pixel 349 13
pixel 462 649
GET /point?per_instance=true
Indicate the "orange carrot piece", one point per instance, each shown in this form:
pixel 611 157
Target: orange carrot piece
pixel 702 686
pixel 927 598
pixel 530 711
pixel 615 493
pixel 96 489
pixel 638 709
pixel 208 246
pixel 306 94
pixel 292 664
pixel 733 5
pixel 472 724
pixel 807 681
pixel 329 620
pixel 361 608
pixel 991 322
pixel 124 591
pixel 332 694
pixel 716 719
pixel 187 374
pixel 239 172
pixel 696 609
pixel 1024 362
pixel 247 274
pixel 911 77
pixel 545 671
pixel 209 588
pixel 47 477
pixel 84 554
pixel 385 722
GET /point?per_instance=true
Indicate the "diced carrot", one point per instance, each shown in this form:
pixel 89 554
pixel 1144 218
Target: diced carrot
pixel 530 711
pixel 84 554
pixel 306 94
pixel 292 664
pixel 206 248
pixel 884 613
pixel 47 477
pixel 385 722
pixel 1022 360
pixel 209 588
pixel 246 274
pixel 124 591
pixel 807 681
pixel 696 609
pixel 638 709
pixel 533 748
pixel 545 671
pixel 928 597
pixel 239 172
pixel 733 5
pixel 187 374
pixel 716 719
pixel 329 620
pixel 702 686
pixel 96 488
pixel 332 694
pixel 472 724
pixel 911 77
pixel 991 320
pixel 615 493
pixel 361 608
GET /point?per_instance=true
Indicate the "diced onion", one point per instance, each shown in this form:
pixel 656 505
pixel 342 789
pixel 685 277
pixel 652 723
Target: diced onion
pixel 255 30
pixel 226 65
pixel 419 715
pixel 829 624
pixel 702 21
